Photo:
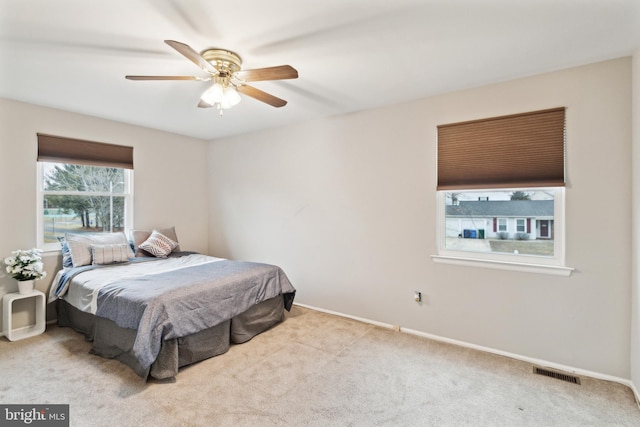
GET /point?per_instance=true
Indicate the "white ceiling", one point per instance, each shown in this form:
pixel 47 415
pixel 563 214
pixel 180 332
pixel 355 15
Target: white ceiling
pixel 350 54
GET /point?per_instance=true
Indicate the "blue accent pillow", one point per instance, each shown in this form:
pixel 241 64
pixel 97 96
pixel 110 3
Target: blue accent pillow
pixel 66 253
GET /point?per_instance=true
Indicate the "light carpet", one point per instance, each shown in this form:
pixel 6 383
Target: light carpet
pixel 314 369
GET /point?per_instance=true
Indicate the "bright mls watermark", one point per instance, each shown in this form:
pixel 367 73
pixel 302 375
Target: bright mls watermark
pixel 34 415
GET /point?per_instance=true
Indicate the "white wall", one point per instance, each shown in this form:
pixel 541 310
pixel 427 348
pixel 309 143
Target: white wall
pixel 635 300
pixel 346 205
pixel 170 184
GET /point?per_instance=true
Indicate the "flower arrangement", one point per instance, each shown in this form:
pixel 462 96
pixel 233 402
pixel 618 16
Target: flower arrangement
pixel 25 265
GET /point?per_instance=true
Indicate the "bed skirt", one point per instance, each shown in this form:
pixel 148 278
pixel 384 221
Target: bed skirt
pixel 111 341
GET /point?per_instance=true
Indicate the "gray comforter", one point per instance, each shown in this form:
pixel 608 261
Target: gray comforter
pixel 179 303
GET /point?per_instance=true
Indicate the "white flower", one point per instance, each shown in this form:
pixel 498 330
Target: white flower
pixel 25 265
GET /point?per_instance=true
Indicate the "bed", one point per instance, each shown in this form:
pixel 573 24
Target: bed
pixel 159 313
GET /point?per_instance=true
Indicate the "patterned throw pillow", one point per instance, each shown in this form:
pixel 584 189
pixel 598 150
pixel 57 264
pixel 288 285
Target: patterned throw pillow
pixel 109 254
pixel 140 236
pixel 158 245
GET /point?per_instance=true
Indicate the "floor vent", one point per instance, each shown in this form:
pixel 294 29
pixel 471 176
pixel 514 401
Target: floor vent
pixel 557 375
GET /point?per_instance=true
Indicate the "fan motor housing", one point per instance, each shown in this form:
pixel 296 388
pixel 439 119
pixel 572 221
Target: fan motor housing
pixel 225 61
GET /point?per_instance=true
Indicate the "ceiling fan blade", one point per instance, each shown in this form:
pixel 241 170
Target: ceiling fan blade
pixel 262 96
pixel 280 72
pixel 192 55
pixel 163 78
pixel 203 104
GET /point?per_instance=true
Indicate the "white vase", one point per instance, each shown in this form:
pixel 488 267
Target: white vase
pixel 25 286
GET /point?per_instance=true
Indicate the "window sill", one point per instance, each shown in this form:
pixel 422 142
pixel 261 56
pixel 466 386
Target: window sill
pixel 51 252
pixel 504 265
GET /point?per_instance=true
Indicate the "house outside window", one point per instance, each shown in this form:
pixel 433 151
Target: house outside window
pixel 496 224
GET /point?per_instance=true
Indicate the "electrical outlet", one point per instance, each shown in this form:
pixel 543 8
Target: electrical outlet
pixel 417 296
pixel 396 328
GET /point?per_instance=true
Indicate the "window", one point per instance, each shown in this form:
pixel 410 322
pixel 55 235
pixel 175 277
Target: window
pixel 501 192
pixel 481 224
pixel 83 187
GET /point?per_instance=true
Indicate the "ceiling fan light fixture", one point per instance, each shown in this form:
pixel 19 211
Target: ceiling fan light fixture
pixel 221 95
pixel 224 69
pixel 232 96
pixel 214 94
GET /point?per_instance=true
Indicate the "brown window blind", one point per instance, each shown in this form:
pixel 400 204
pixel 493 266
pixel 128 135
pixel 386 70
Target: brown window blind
pixel 520 150
pixel 69 150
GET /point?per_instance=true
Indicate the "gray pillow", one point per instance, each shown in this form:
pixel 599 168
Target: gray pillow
pixel 140 236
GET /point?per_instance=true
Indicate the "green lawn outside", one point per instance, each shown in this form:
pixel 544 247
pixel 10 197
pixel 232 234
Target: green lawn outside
pixel 524 247
pixel 58 225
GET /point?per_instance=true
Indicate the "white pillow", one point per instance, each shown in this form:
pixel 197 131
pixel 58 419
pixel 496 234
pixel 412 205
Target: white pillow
pixel 158 244
pixel 79 245
pixel 109 254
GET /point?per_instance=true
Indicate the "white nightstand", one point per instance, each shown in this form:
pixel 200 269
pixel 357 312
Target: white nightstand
pixel 7 316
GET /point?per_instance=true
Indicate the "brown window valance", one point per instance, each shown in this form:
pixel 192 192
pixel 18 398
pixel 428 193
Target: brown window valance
pixel 70 150
pixel 520 150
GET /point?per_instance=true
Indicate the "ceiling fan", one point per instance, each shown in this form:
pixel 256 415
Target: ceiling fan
pixel 224 69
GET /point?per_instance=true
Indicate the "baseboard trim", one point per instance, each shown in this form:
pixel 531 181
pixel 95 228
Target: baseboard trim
pixel 532 360
pixel 636 394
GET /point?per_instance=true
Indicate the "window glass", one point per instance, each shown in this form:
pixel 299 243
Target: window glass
pixel 81 199
pixel 514 222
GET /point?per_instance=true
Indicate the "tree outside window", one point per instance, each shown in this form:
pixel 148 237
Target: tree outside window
pixel 82 198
